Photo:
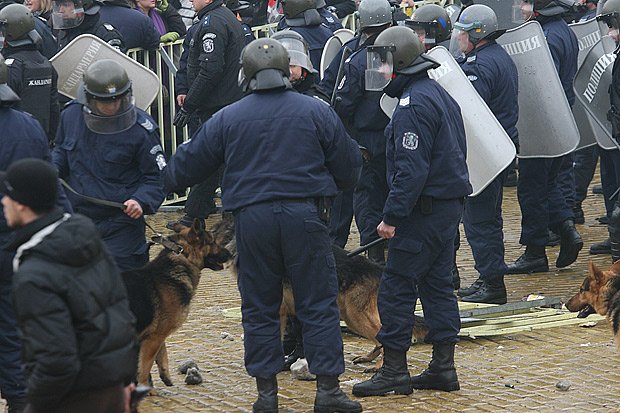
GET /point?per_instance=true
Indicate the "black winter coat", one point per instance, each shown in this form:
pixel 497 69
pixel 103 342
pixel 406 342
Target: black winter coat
pixel 72 310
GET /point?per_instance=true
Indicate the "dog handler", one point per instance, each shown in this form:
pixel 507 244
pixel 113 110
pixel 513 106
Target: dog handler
pixel 279 163
pixel 428 180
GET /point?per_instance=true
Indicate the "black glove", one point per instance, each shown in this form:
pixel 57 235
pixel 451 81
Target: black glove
pixel 182 118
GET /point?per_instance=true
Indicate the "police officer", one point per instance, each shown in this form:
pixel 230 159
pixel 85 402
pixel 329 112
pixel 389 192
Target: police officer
pixel 31 75
pixel 494 76
pixel 610 176
pixel 136 28
pixel 432 25
pixel 47 45
pixel 213 69
pixel 21 137
pixel 107 148
pixel 301 16
pixel 545 183
pixel 360 109
pixel 428 181
pixel 280 161
pixel 72 18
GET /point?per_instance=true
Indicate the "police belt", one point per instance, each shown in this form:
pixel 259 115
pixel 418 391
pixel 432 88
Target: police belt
pixel 425 203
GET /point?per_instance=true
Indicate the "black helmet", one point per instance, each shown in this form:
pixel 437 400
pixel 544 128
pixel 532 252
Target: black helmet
pixel 548 8
pixel 299 13
pixel 296 47
pixel 432 22
pixel 396 50
pixel 264 65
pixel 17 25
pixel 106 84
pixel 7 96
pixel 237 5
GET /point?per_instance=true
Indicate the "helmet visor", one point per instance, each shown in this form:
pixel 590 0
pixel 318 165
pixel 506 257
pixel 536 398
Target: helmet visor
pixel 426 31
pixel 67 14
pixel 297 53
pixel 460 43
pixel 611 24
pixel 380 67
pixel 522 11
pixel 109 116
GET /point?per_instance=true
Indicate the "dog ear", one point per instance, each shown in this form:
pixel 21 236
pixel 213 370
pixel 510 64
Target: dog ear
pixel 595 274
pixel 615 268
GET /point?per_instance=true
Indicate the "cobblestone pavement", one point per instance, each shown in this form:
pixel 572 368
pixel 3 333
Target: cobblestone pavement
pixel 515 373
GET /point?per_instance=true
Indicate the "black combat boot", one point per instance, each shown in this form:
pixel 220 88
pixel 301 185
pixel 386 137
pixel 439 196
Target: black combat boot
pixel 464 292
pixel 267 401
pixel 554 239
pixel 376 254
pixel 570 244
pixel 580 217
pixel 491 292
pixel 392 377
pixel 440 374
pixel 603 247
pixel 533 260
pixel 16 405
pixel 331 399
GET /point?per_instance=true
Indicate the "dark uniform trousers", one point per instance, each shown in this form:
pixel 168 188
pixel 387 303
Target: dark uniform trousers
pixel 566 180
pixel 610 176
pixel 483 224
pixel 541 200
pixel 419 264
pixel 585 166
pixel 341 217
pixel 277 239
pixel 124 238
pixel 12 379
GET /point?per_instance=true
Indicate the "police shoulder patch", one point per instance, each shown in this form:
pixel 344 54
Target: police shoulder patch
pixel 472 77
pixel 9 62
pixel 108 26
pixel 161 161
pixel 471 59
pixel 155 149
pixel 147 124
pixel 410 141
pixel 207 20
pixel 207 45
pixel 404 101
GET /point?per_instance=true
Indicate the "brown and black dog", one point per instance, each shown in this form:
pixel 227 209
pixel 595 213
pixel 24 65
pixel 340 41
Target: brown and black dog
pixel 358 285
pixel 600 293
pixel 160 292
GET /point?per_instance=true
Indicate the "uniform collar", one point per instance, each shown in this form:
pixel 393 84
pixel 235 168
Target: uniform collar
pixel 23 234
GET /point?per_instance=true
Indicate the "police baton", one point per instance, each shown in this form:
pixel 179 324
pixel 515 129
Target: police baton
pixel 346 52
pixel 363 248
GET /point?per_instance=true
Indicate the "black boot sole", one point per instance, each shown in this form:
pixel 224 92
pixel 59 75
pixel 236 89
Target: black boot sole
pixel 332 409
pixel 540 268
pixel 500 300
pixel 382 392
pixel 568 258
pixel 454 386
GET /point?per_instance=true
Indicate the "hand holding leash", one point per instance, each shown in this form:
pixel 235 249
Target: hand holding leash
pixel 386 231
pixel 133 208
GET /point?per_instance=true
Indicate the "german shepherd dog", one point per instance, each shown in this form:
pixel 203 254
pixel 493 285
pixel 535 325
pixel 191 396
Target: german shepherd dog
pixel 358 285
pixel 600 293
pixel 160 292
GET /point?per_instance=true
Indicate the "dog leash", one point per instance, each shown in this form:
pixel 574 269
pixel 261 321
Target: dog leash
pixel 363 248
pixel 158 238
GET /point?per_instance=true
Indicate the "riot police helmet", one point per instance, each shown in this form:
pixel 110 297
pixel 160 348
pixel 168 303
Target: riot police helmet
pixel 297 48
pixel 374 13
pixel 431 23
pixel 298 13
pixel 67 14
pixel 17 25
pixel 107 98
pixel 7 96
pixel 476 23
pixel 237 6
pixel 610 14
pixel 397 50
pixel 546 8
pixel 264 66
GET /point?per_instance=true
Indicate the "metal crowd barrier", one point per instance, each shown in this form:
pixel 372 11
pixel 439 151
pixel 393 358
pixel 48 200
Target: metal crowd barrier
pixel 164 62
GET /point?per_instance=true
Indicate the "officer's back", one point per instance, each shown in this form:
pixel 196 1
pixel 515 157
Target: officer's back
pixel 137 29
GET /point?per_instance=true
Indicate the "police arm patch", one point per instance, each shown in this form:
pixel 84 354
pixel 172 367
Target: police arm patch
pixel 207 45
pixel 410 141
pixel 161 161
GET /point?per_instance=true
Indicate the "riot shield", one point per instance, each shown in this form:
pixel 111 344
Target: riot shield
pixel 344 35
pixel 71 63
pixel 592 83
pixel 330 51
pixel 546 124
pixel 588 33
pixel 489 148
pixel 505 11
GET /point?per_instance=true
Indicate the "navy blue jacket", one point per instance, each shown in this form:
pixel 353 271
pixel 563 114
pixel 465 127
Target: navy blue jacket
pixel 494 75
pixel 360 108
pixel 114 167
pixel 328 19
pixel 564 50
pixel 22 137
pixel 316 37
pixel 293 147
pixel 137 29
pixel 426 149
pixel 181 84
